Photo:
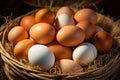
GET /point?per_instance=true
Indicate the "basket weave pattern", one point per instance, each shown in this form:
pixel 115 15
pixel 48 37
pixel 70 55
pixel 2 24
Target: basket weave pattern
pixel 105 65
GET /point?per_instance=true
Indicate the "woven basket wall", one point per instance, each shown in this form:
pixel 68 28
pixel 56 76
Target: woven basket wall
pixel 102 68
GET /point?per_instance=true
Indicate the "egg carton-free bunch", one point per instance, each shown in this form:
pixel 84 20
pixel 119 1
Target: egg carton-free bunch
pixel 63 40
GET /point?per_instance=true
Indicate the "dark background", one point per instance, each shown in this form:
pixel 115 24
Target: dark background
pixel 16 8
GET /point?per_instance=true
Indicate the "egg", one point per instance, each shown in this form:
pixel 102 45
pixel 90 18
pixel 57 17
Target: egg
pixel 70 35
pixel 42 33
pixel 65 10
pixel 84 53
pixel 86 14
pixel 27 22
pixel 98 28
pixel 45 15
pixel 103 41
pixel 60 51
pixel 68 66
pixel 63 20
pixel 16 34
pixel 31 39
pixel 42 56
pixel 21 49
pixel 88 28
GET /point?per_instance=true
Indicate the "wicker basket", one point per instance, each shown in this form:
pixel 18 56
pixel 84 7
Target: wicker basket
pixel 102 68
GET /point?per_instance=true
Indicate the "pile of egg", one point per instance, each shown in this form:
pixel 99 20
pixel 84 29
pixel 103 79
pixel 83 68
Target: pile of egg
pixel 66 38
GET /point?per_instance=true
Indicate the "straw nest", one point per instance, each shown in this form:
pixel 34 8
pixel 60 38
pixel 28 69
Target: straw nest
pixel 101 68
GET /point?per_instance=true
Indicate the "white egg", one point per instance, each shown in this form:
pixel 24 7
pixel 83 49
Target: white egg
pixel 84 53
pixel 65 19
pixel 41 55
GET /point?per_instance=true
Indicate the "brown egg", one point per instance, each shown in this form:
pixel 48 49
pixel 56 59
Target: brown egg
pixel 60 52
pixel 42 33
pixel 68 66
pixel 27 22
pixel 65 10
pixel 88 28
pixel 31 39
pixel 70 35
pixel 21 48
pixel 45 15
pixel 16 34
pixel 102 41
pixel 86 14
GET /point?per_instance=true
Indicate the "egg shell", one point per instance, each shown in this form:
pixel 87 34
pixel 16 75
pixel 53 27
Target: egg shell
pixel 42 56
pixel 84 53
pixel 45 15
pixel 60 51
pixel 21 48
pixel 42 33
pixel 65 10
pixel 98 28
pixel 86 14
pixel 68 66
pixel 63 20
pixel 27 22
pixel 88 28
pixel 17 34
pixel 70 35
pixel 103 41
pixel 31 39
